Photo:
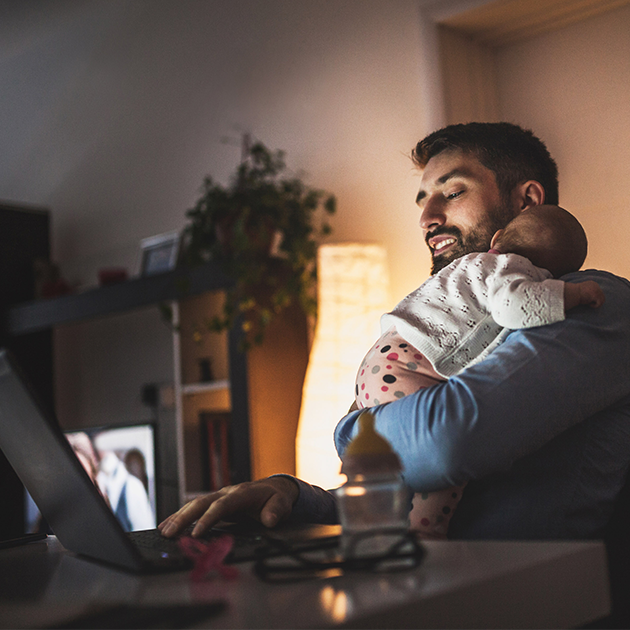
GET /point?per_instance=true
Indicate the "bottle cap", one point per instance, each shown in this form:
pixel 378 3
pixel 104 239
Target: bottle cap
pixel 369 452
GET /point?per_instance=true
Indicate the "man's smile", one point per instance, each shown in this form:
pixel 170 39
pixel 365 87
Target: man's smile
pixel 439 244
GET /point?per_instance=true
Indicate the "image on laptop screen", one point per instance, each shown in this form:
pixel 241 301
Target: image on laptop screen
pixel 121 461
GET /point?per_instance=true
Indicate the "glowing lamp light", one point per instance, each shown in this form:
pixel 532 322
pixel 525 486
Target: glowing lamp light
pixel 353 293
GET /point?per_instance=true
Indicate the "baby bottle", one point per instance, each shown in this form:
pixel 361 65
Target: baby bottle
pixel 374 503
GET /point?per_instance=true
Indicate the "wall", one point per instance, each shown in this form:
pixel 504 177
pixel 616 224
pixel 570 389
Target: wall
pixel 114 110
pixel 572 88
pixel 468 78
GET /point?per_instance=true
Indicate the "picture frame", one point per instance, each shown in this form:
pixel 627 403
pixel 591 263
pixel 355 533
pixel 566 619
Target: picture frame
pixel 159 253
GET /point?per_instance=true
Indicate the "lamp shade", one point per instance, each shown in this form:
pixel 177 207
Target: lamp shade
pixel 352 293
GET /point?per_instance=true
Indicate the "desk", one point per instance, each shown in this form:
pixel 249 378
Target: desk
pixel 459 584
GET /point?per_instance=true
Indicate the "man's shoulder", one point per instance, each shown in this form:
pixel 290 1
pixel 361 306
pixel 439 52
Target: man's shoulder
pixel 617 292
pixel 598 275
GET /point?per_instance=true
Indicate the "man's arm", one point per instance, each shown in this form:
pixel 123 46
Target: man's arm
pixel 540 382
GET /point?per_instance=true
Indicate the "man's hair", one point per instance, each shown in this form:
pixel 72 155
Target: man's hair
pixel 549 236
pixel 513 154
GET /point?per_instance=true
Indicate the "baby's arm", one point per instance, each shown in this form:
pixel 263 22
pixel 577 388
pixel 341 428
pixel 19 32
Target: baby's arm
pixel 519 297
pixel 587 293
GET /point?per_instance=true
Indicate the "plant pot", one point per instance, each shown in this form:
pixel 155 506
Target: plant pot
pixel 259 238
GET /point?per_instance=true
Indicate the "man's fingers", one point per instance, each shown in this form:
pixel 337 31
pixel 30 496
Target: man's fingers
pixel 246 498
pixel 280 503
pixel 188 514
pixel 276 509
pixel 269 501
pixel 217 511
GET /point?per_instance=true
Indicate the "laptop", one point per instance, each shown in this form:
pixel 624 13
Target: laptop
pixel 76 511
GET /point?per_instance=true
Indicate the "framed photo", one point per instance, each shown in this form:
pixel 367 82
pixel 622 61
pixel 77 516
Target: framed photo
pixel 159 253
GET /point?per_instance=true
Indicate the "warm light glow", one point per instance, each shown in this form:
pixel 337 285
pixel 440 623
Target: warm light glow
pixel 353 293
pixel 335 603
pixel 355 491
pixel 340 607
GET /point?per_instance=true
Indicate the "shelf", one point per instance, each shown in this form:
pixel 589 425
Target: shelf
pixel 173 285
pixel 202 388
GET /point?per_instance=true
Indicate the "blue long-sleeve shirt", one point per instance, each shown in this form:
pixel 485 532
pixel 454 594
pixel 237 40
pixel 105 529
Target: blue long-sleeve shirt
pixel 540 429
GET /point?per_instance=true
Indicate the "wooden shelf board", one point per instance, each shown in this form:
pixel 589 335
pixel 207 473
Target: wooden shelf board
pixel 201 388
pixel 173 285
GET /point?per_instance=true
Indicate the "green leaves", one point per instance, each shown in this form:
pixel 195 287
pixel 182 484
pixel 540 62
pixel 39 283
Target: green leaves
pixel 237 226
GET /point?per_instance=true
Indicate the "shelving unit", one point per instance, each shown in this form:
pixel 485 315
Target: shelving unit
pixel 180 289
pixel 195 398
pixel 254 397
pixel 266 391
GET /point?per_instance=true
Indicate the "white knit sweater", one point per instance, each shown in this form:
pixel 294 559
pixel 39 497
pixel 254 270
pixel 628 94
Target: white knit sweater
pixel 466 310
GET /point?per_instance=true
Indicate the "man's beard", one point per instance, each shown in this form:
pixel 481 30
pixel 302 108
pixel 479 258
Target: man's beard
pixel 477 240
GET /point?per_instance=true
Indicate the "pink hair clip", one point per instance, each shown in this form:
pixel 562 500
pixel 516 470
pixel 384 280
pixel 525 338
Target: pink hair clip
pixel 209 557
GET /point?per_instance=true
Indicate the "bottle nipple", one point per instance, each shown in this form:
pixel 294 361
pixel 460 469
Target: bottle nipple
pixel 369 452
pixel 368 440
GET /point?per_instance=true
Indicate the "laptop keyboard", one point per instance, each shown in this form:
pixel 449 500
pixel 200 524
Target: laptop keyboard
pixel 246 546
pixel 252 541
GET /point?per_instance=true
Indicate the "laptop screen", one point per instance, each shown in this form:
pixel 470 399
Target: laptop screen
pixel 120 460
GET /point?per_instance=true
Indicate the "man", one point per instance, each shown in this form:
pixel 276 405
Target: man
pixel 540 429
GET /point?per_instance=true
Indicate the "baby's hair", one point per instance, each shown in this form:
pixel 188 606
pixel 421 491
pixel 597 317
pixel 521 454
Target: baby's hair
pixel 549 236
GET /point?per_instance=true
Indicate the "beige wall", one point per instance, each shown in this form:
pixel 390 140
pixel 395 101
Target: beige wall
pixel 113 111
pixel 572 87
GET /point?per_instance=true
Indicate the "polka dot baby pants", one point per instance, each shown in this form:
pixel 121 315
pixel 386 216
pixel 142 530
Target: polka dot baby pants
pixel 391 370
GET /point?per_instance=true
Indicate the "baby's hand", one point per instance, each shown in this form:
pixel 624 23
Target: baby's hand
pixel 587 293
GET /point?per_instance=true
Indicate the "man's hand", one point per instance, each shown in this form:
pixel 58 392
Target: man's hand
pixel 587 293
pixel 268 501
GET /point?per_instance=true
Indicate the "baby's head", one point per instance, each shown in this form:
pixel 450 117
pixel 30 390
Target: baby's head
pixel 549 236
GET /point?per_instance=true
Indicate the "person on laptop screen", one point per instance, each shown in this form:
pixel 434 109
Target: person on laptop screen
pixel 123 490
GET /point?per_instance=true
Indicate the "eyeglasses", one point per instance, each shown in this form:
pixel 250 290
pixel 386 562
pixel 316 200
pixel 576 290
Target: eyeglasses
pixel 283 561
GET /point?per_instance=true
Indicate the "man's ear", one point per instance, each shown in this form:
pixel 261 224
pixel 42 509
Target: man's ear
pixel 528 194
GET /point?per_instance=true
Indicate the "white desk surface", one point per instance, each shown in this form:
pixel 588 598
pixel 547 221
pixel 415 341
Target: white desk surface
pixel 458 585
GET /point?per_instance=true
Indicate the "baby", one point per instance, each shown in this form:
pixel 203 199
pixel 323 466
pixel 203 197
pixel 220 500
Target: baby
pixel 462 313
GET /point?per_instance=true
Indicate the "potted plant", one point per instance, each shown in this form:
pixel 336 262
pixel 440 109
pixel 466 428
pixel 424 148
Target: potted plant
pixel 263 229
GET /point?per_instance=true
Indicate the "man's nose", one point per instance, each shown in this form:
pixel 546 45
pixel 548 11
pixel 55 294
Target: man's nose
pixel 432 215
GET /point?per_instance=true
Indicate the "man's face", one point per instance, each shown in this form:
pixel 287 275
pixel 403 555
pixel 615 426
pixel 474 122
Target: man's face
pixel 461 207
